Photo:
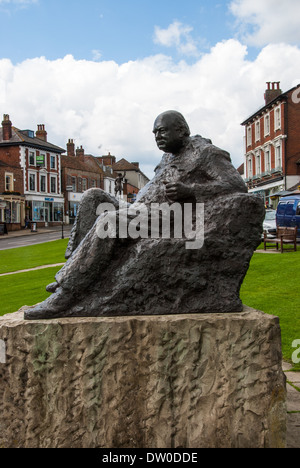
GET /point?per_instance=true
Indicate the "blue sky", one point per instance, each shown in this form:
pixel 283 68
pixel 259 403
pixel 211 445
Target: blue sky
pixel 100 71
pixel 119 30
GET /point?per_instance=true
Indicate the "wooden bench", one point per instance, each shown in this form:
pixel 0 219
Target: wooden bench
pixel 284 235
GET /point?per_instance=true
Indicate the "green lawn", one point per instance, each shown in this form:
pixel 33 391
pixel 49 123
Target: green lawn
pixel 271 285
pixel 24 289
pixel 32 256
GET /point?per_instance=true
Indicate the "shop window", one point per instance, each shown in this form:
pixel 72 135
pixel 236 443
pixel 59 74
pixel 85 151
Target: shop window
pixel 12 213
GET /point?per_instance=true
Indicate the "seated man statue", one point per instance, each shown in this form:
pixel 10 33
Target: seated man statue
pixel 113 274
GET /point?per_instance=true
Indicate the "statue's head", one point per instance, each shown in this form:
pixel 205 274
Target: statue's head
pixel 171 131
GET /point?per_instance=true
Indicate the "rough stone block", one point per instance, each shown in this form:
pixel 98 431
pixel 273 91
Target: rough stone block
pixel 191 381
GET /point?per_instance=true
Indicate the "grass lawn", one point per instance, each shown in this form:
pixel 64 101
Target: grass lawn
pixel 32 256
pixel 272 285
pixel 24 289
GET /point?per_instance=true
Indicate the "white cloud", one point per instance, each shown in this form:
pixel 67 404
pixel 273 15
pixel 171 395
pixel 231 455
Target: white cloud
pixel 177 35
pixel 267 21
pixel 96 55
pixel 114 106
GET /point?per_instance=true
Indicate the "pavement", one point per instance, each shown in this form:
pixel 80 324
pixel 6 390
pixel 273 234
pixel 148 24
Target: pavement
pixel 43 230
pixel 293 378
pixel 293 406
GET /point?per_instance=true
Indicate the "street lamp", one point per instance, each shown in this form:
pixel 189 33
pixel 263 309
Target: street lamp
pixel 69 188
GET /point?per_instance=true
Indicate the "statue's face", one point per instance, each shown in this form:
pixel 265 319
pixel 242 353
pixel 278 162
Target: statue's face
pixel 167 135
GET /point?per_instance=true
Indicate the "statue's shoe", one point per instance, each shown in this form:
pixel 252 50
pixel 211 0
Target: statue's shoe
pixel 53 307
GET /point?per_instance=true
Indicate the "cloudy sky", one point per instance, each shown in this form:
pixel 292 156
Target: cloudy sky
pixel 100 71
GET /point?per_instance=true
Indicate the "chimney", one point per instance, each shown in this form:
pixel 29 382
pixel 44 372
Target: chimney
pixel 108 160
pixel 80 152
pixel 272 92
pixel 41 133
pixel 6 127
pixel 71 148
pixel 136 164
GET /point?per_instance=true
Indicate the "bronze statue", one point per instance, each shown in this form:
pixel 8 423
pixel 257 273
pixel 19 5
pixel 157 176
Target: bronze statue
pixel 119 184
pixel 119 275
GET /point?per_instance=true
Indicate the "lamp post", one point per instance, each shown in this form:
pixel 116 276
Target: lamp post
pixel 69 188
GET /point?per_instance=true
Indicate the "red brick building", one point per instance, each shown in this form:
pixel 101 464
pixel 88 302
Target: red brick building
pixel 272 141
pixel 81 172
pixel 30 182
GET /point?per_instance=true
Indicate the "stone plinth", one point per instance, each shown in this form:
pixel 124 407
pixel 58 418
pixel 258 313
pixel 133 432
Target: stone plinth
pixel 186 381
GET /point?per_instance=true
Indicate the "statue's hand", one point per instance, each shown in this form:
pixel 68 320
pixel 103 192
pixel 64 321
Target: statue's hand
pixel 177 190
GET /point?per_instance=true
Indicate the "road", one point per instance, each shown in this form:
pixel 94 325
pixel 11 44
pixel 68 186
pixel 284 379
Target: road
pixel 13 241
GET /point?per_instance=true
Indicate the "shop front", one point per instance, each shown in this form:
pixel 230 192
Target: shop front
pixel 12 212
pixel 74 202
pixel 268 193
pixel 45 211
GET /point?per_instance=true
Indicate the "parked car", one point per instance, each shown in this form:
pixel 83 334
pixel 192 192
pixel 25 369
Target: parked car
pixel 269 224
pixel 288 212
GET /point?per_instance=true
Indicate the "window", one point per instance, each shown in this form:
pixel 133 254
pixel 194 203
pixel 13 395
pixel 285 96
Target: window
pixel 43 184
pixel 250 174
pixel 84 185
pixel 74 184
pixel 249 136
pixel 277 118
pixel 9 182
pixel 31 158
pixel 257 131
pixel 289 209
pixel 268 160
pixel 278 158
pixel 93 183
pixel 53 184
pixel 32 183
pixel 258 164
pixel 53 162
pixel 267 124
